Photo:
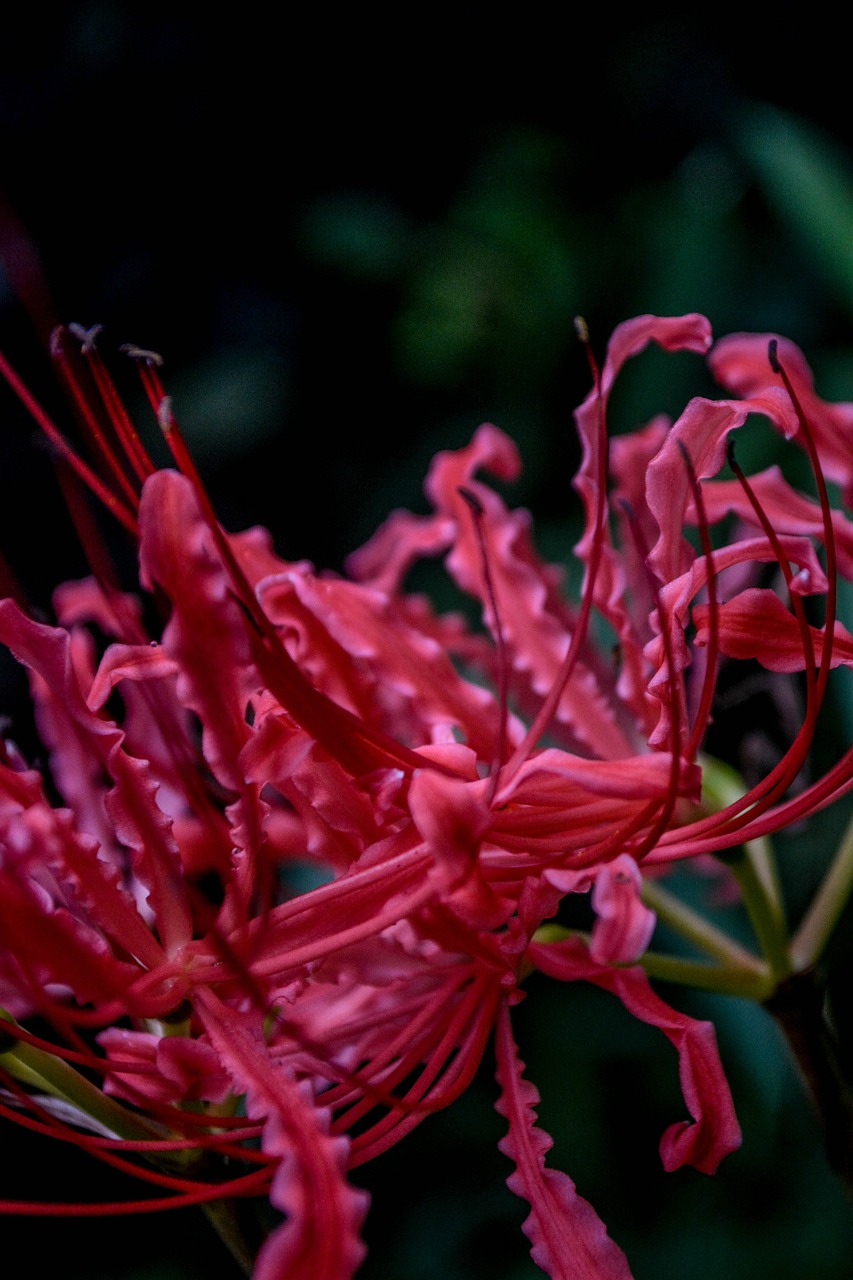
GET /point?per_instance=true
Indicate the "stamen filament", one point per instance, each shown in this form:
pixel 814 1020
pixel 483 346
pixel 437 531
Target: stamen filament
pixel 478 516
pixel 113 504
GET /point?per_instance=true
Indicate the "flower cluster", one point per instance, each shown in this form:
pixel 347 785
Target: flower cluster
pixel 299 837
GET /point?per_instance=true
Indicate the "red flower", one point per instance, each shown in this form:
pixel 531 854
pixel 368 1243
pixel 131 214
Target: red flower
pixel 308 832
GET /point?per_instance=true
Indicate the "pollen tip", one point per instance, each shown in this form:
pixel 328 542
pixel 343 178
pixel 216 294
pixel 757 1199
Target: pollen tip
pixel 730 451
pixel 56 351
pixel 582 329
pixel 86 337
pixel 142 353
pixel 772 348
pixel 165 416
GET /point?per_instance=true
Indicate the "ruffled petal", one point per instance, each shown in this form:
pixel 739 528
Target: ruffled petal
pixel 756 624
pixel 320 1238
pixel 714 1131
pixel 569 1240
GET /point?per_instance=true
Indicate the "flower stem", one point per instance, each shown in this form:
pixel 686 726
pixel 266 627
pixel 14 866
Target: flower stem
pixel 797 1006
pixel 752 983
pixel 694 928
pixel 828 903
pixel 754 868
pixel 230 1225
pixel 754 871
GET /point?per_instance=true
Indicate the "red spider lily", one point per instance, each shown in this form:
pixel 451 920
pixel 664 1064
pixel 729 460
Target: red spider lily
pixel 283 725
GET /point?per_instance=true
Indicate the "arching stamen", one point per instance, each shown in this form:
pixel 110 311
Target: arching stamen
pixel 787 768
pixel 703 711
pixel 478 516
pixel 445 1072
pixel 247 1184
pixel 582 331
pixel 358 746
pixel 826 515
pixel 117 416
pixel 769 790
pixel 120 509
pixel 147 364
pixel 567 666
pixel 676 690
pixel 100 448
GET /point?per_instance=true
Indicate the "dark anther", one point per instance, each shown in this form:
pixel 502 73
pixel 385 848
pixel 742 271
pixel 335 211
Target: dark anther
pixel 730 452
pixel 772 356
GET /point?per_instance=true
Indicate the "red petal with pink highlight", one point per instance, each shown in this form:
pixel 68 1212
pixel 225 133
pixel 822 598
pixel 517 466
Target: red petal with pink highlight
pixel 714 1131
pixel 320 1238
pixel 569 1240
pixel 756 624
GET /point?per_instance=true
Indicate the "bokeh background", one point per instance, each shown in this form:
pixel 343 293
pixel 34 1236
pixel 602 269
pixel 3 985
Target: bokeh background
pixel 354 235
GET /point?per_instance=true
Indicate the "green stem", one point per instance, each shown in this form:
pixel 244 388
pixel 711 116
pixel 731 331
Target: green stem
pixel 827 905
pixel 754 868
pixel 694 928
pixel 229 1222
pixel 753 983
pixel 763 907
pixel 797 1006
pixel 752 980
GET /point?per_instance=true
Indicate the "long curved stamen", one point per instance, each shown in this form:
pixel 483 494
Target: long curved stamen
pixel 119 420
pixel 247 1184
pixel 99 411
pixel 813 692
pixel 358 746
pixel 826 515
pixel 551 701
pixel 225 1144
pixel 147 363
pixel 126 515
pixel 773 786
pixel 703 710
pixel 478 516
pixel 622 839
pixel 749 808
pixel 451 1066
pixel 396 1061
pixel 108 1152
pixel 649 841
pixel 98 441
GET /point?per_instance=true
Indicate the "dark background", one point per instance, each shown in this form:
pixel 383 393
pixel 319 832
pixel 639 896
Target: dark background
pixel 353 238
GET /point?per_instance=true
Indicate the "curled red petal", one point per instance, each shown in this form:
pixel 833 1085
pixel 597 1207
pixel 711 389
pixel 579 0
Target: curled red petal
pixel 739 362
pixel 569 1241
pixel 624 926
pixel 756 624
pixel 319 1239
pixel 452 817
pixel 714 1132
